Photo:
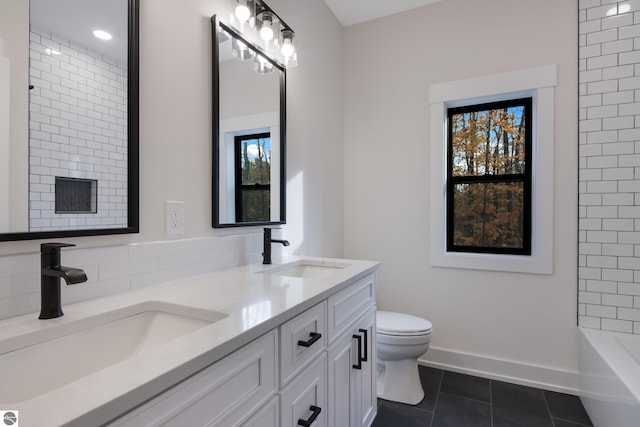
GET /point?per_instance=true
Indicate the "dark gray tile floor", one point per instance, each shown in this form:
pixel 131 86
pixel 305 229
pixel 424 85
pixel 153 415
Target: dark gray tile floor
pixel 458 400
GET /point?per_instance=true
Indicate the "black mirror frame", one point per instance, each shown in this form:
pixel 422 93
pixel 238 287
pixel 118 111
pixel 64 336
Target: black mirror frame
pixel 133 149
pixel 215 72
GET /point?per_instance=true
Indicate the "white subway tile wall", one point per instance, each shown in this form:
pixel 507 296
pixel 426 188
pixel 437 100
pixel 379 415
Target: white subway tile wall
pixel 78 129
pixel 609 181
pixel 115 269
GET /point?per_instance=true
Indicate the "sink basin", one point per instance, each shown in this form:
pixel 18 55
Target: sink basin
pixel 35 363
pixel 307 269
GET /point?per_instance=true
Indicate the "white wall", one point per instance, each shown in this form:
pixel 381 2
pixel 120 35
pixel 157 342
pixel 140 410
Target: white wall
pixel 175 139
pixel 525 319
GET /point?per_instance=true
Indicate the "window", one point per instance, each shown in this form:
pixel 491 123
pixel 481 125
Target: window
pixel 253 177
pixel 489 178
pixel 538 84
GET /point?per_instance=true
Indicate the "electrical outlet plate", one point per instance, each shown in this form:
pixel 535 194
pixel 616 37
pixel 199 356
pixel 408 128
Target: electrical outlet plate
pixel 174 217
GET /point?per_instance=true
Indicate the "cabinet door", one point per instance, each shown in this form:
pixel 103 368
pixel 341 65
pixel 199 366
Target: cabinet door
pixel 342 381
pixel 352 374
pixel 304 401
pixel 367 400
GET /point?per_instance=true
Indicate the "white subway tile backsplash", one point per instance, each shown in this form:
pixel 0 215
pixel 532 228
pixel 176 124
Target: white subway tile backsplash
pixel 602 311
pixel 617 300
pixel 617 325
pixel 629 314
pixel 113 269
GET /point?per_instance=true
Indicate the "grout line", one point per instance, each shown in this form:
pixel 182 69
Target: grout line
pixel 491 401
pixel 435 404
pixel 546 404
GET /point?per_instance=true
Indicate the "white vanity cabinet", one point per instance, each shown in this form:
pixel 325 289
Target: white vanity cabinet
pixel 309 371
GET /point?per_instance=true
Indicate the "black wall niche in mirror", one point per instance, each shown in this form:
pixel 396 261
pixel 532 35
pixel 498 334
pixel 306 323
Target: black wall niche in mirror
pixel 78 97
pixel 249 132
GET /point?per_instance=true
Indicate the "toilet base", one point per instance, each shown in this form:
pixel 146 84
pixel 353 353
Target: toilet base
pixel 399 381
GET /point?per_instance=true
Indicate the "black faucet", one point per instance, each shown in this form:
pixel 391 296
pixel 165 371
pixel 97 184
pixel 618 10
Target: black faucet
pixel 267 241
pixel 50 274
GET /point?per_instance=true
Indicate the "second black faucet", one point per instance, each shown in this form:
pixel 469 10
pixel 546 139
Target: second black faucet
pixel 267 241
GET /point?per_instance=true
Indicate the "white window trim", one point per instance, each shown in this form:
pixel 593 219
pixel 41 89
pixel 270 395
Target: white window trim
pixel 538 83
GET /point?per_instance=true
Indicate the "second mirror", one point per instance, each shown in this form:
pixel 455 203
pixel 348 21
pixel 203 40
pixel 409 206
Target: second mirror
pixel 248 133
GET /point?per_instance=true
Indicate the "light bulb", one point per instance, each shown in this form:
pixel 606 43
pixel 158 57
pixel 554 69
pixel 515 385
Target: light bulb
pixel 287 48
pixel 242 11
pixel 266 32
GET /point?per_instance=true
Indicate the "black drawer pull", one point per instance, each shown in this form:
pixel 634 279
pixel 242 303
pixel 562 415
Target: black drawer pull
pixel 366 345
pixel 306 423
pixel 314 337
pixel 358 364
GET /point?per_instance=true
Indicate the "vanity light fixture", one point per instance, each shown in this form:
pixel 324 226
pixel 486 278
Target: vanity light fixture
pixel 240 50
pixel 262 65
pixel 260 25
pixel 102 35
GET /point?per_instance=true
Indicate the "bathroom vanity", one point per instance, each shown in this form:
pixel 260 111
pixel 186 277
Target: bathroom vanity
pixel 286 344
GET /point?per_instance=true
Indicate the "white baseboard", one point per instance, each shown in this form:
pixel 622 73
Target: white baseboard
pixel 502 370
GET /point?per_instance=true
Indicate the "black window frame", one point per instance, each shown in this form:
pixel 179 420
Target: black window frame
pixel 525 178
pixel 240 187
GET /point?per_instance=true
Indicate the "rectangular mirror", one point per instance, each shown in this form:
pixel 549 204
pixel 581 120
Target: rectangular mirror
pixel 248 133
pixel 69 135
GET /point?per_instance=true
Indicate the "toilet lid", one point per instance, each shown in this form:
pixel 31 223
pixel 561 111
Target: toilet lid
pixel 390 323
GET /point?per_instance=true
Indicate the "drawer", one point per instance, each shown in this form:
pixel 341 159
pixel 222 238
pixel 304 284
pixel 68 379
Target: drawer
pixel 302 339
pixel 346 306
pixel 305 399
pixel 266 416
pixel 237 384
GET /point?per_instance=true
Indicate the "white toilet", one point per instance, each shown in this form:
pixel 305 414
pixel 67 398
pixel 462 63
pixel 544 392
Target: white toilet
pixel 400 340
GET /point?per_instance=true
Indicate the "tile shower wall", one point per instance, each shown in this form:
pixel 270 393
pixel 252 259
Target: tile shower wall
pixel 609 183
pixel 78 108
pixel 115 269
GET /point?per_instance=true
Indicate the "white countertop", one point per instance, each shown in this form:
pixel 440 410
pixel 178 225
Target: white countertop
pixel 255 303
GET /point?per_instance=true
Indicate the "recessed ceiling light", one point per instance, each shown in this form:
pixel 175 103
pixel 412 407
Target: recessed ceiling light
pixel 50 51
pixel 102 35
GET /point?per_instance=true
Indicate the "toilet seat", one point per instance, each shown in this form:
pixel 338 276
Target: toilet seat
pixel 400 324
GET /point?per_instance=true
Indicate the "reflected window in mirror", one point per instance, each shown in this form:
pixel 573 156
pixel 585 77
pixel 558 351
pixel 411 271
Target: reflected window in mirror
pixel 253 177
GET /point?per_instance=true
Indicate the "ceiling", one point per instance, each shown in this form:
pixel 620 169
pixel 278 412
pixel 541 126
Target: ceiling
pixel 351 12
pixel 75 20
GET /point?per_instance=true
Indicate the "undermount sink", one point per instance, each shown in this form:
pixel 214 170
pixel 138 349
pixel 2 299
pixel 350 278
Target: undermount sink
pixel 35 363
pixel 306 269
